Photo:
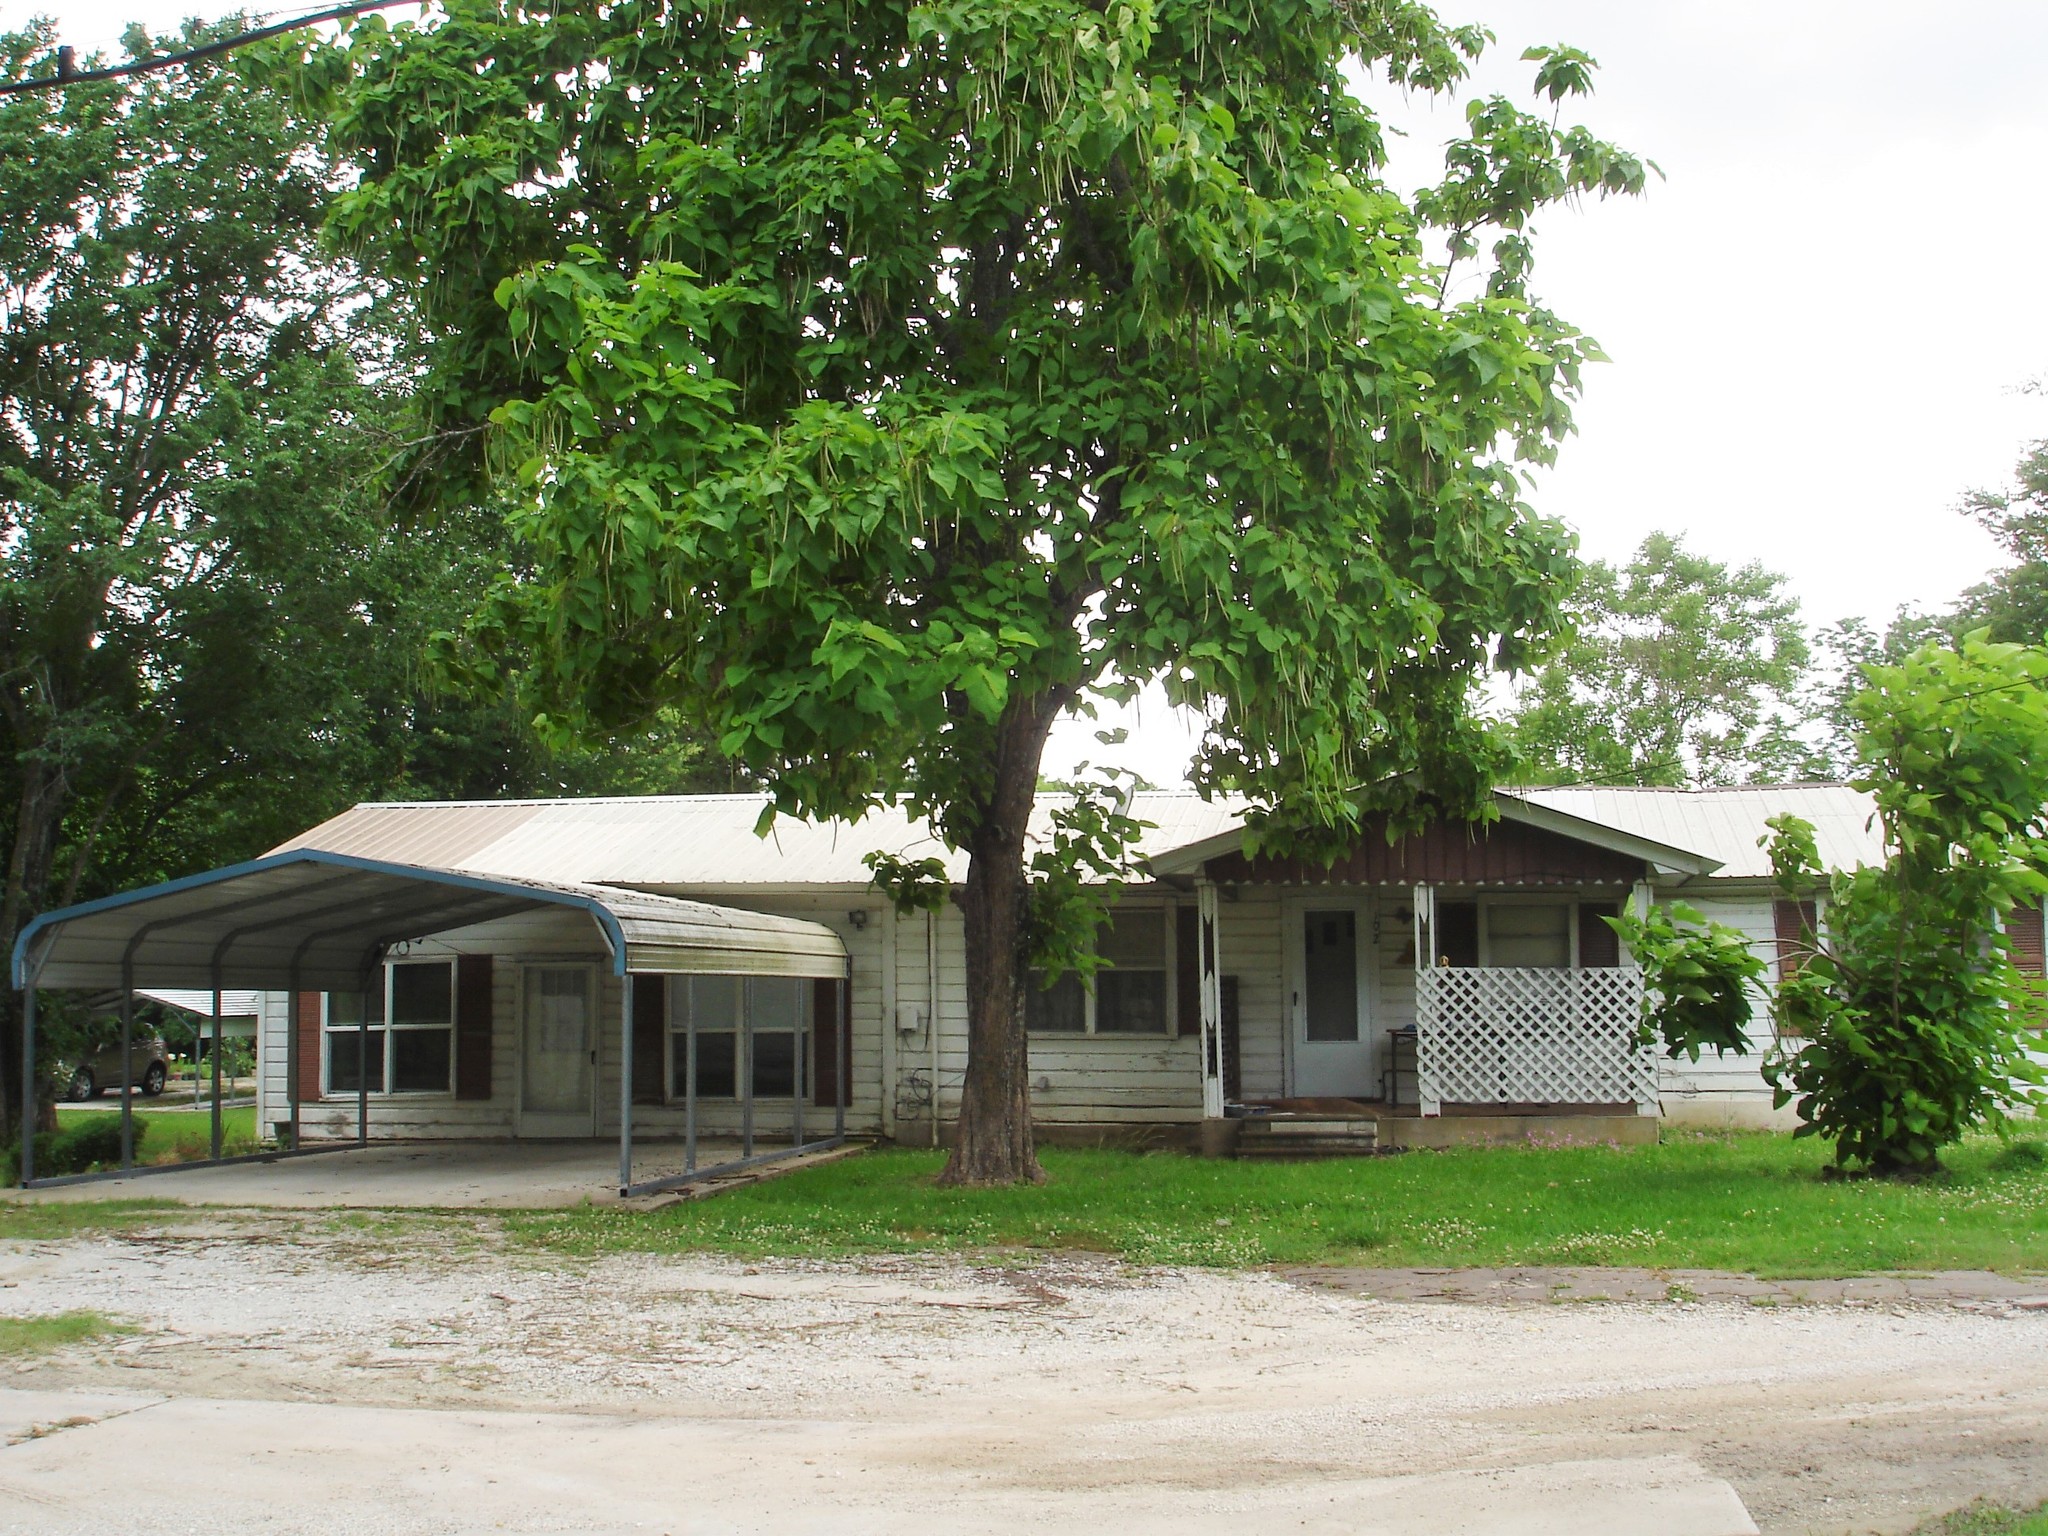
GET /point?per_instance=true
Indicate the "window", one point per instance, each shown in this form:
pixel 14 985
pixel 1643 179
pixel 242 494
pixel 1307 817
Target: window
pixel 1128 996
pixel 1495 932
pixel 1528 933
pixel 414 1052
pixel 721 1008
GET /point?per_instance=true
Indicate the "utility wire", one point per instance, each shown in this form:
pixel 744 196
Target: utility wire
pixel 69 74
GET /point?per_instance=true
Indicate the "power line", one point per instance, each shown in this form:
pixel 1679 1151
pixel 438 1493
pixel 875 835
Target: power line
pixel 68 74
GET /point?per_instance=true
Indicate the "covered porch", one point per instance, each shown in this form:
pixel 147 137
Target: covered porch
pixel 1457 984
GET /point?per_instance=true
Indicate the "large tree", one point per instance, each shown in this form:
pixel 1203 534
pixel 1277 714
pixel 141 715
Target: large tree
pixel 882 381
pixel 1680 670
pixel 211 630
pixel 2012 602
pixel 172 375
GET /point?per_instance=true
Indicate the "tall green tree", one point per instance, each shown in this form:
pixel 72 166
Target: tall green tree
pixel 2012 603
pixel 1680 670
pixel 1909 1023
pixel 212 632
pixel 882 381
pixel 172 368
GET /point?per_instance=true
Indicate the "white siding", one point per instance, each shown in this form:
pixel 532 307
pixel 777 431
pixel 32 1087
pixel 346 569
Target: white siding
pixel 551 937
pixel 1730 1090
pixel 1105 1081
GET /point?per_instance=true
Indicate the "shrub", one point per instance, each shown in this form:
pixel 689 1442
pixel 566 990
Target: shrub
pixel 1697 980
pixel 1915 1020
pixel 77 1148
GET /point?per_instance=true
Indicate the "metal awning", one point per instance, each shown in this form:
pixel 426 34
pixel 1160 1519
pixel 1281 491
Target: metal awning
pixel 310 920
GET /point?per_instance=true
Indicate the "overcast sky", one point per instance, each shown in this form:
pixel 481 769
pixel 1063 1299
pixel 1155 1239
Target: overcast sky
pixel 1820 321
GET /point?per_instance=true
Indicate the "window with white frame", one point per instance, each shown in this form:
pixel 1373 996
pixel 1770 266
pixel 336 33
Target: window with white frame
pixel 1127 995
pixel 734 1018
pixel 409 1046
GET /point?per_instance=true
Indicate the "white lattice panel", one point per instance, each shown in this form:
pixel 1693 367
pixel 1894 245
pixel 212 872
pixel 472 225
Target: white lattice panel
pixel 1529 1035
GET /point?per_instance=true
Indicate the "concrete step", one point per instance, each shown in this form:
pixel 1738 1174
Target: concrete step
pixel 1262 1137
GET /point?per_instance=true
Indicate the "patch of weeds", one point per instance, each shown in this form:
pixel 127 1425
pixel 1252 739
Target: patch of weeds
pixel 1987 1519
pixel 38 1220
pixel 1680 1292
pixel 2020 1156
pixel 23 1336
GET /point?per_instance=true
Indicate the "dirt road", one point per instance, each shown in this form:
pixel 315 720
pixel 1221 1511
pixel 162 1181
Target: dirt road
pixel 1031 1391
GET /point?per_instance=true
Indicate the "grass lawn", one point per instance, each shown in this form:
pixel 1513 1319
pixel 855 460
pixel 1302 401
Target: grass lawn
pixel 21 1336
pixel 175 1135
pixel 1752 1202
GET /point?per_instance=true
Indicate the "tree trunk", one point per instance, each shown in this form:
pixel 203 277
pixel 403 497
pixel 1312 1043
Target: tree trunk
pixel 992 1143
pixel 38 816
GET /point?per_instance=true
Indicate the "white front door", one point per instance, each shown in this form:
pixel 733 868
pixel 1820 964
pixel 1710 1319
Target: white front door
pixel 558 1051
pixel 1331 991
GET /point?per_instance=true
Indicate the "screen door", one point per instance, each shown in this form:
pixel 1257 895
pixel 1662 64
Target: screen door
pixel 1332 1046
pixel 558 1053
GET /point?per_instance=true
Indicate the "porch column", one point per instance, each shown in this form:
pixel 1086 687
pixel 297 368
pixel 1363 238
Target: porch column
pixel 1209 975
pixel 1427 1102
pixel 1649 1099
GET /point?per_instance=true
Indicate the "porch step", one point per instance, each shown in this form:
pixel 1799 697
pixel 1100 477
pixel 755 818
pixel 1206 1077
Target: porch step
pixel 1264 1136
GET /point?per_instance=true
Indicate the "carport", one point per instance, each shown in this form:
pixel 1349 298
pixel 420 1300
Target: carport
pixel 310 921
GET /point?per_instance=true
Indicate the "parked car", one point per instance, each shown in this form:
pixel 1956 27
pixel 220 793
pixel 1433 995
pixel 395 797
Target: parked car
pixel 148 1066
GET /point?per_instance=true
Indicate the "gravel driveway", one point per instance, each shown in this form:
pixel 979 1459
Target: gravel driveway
pixel 1068 1376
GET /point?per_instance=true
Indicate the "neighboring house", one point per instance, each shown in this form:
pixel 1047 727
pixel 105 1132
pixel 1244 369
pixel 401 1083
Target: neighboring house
pixel 1456 981
pixel 239 1010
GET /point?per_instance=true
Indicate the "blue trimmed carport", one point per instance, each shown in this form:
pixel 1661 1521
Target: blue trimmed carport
pixel 313 921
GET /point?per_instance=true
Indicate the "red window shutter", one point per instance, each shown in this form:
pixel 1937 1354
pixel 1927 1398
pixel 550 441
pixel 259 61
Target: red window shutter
pixel 1599 945
pixel 473 1027
pixel 1797 924
pixel 1187 973
pixel 306 1011
pixel 828 1040
pixel 650 1024
pixel 2023 933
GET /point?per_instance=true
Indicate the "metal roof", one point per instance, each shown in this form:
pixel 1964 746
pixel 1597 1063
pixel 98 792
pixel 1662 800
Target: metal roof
pixel 708 843
pixel 234 1003
pixel 688 841
pixel 1726 822
pixel 316 920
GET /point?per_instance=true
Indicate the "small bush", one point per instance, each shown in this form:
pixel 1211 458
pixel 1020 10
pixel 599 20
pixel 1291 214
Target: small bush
pixel 79 1148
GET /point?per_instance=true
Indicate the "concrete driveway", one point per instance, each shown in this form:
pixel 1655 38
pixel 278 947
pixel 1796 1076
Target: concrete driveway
pixel 445 1175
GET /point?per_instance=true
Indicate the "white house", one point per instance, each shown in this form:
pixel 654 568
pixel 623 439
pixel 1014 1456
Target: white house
pixel 1450 985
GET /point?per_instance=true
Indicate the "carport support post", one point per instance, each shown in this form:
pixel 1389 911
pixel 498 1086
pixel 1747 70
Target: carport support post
pixel 363 1058
pixel 216 1063
pixel 842 1054
pixel 28 1081
pixel 127 1063
pixel 746 1069
pixel 796 1042
pixel 291 1056
pixel 690 1086
pixel 627 984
